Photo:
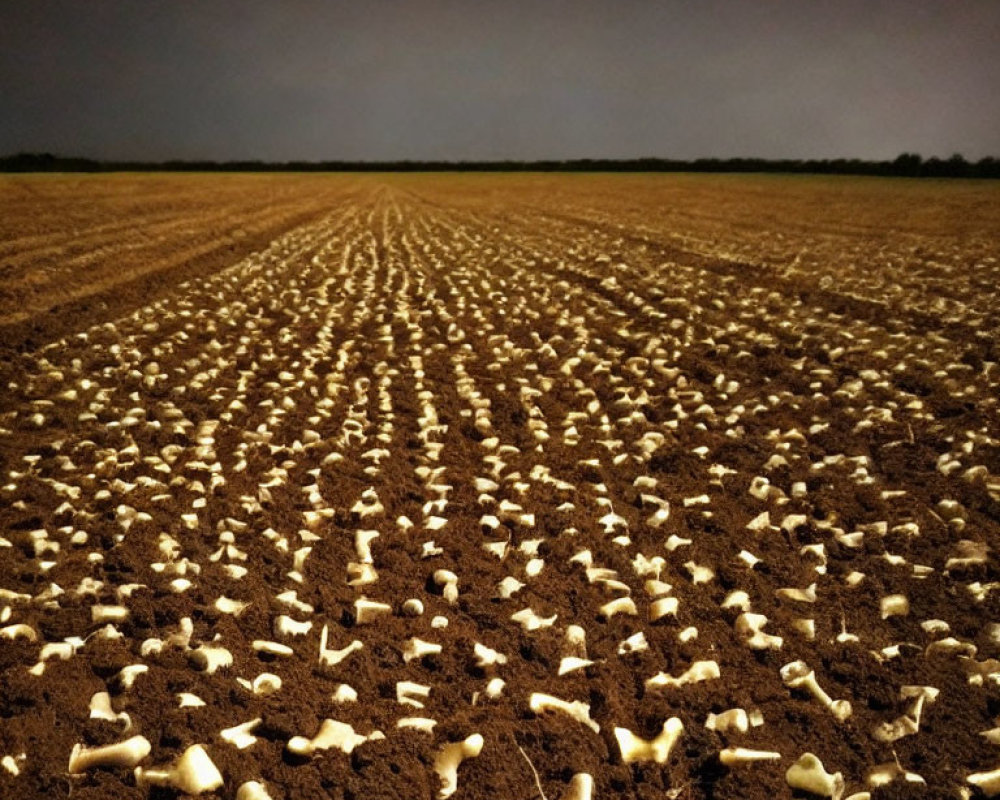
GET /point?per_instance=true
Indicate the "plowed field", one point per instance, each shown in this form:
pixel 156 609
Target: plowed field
pixel 499 487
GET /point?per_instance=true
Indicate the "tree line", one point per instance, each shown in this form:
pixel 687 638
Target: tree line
pixel 909 165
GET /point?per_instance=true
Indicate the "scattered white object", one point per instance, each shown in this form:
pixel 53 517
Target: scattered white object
pixel 698 671
pixel 987 782
pixel 884 774
pixel 193 773
pixel 332 734
pixel 227 605
pixel 530 621
pixel 240 736
pixel 578 710
pixel 809 775
pixel 13 764
pixel 418 648
pixel 188 700
pixel 422 724
pixel 271 648
pixel 450 757
pixel 797 675
pixel 620 605
pixel 122 754
pixel 345 694
pixel 252 790
pixel 330 658
pixel 572 663
pixel 211 658
pixel 735 719
pixel 286 626
pixel 658 750
pixel 749 626
pixel 508 586
pixel 407 693
pixel 635 643
pixel 581 787
pixel 487 657
pixel 894 605
pixel 100 708
pixel 448 581
pixel 731 756
pixel 367 611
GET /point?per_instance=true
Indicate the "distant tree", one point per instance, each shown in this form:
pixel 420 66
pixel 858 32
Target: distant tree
pixel 958 167
pixel 908 164
pixel 988 167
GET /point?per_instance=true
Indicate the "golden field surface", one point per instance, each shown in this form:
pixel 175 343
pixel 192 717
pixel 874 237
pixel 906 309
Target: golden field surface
pixel 64 237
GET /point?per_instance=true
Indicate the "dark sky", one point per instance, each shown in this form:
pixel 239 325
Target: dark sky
pixel 475 79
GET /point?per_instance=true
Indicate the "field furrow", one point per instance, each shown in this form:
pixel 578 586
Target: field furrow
pixel 497 487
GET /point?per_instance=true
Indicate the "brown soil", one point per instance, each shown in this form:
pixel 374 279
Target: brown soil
pixel 82 249
pixel 835 337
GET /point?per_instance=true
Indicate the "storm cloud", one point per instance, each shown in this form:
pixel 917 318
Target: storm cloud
pixel 429 79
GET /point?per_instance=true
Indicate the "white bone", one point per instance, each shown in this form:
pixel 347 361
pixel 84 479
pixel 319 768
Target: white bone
pixel 797 675
pixel 122 754
pixel 193 773
pixel 581 787
pixel 731 756
pixel 809 775
pixel 331 734
pixel 578 710
pixel 450 757
pixel 252 790
pixel 658 750
pixel 697 672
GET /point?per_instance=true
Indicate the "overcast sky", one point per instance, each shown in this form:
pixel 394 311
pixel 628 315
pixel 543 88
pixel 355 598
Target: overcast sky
pixel 476 79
